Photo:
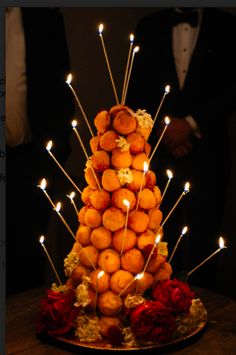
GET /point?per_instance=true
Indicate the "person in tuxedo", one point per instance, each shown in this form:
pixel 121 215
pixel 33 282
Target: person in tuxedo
pixel 39 105
pixel 192 50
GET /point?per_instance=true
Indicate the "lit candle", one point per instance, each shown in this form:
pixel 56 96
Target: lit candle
pixel 57 209
pixel 145 170
pixel 158 238
pixel 74 124
pixel 170 177
pixel 167 90
pixel 41 240
pixel 167 122
pixel 100 30
pixel 221 246
pixel 184 231
pixel 49 147
pixel 100 274
pixel 127 204
pixel 135 50
pixel 127 67
pixel 137 277
pixel 71 197
pixel 68 81
pixel 42 186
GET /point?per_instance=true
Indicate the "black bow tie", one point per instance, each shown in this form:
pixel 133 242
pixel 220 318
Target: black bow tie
pixel 190 17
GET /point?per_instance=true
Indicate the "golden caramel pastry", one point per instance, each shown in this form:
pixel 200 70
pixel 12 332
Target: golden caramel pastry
pixel 138 180
pixel 94 143
pixel 138 161
pixel 144 131
pixel 109 304
pixel 150 179
pixel 101 238
pixel 76 247
pixel 118 197
pixel 89 256
pixel 100 199
pixel 102 283
pixel 108 140
pixel 100 160
pixel 119 280
pixel 109 260
pixel 121 159
pixel 124 123
pixel 138 221
pixel 83 235
pixel 133 261
pixel 90 179
pixel 147 199
pixel 164 273
pixel 157 193
pixel 117 108
pixel 137 142
pixel 127 240
pixel 147 148
pixel 144 283
pixel 81 215
pixel 85 196
pixel 113 219
pixel 92 298
pixel 78 273
pixel 110 181
pixel 106 322
pixel 155 216
pixel 145 238
pixel 93 218
pixel 102 121
pixel 155 264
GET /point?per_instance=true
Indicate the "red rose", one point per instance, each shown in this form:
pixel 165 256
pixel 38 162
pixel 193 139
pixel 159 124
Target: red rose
pixel 174 294
pixel 152 321
pixel 57 313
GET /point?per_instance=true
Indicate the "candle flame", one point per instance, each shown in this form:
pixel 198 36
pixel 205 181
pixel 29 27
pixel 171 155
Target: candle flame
pixel 167 120
pixel 139 276
pixel 169 174
pixel 49 146
pixel 74 123
pixel 186 187
pixel 184 230
pixel 131 37
pixel 41 239
pixel 145 167
pixel 100 274
pixel 58 207
pixel 221 243
pixel 69 79
pixel 158 238
pixel 43 184
pixel 72 195
pixel 167 89
pixel 136 49
pixel 126 203
pixel 100 28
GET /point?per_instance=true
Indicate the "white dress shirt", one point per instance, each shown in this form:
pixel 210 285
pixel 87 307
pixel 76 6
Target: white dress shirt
pixel 17 126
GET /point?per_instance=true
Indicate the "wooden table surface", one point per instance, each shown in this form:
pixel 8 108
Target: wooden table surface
pixel 218 337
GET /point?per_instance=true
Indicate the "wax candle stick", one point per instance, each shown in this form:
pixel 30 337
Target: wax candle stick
pixel 135 50
pixel 221 246
pixel 167 122
pixel 167 90
pixel 158 238
pixel 57 209
pixel 71 197
pixel 137 277
pixel 48 147
pixel 145 170
pixel 99 275
pixel 41 240
pixel 100 29
pixel 170 177
pixel 127 204
pixel 42 186
pixel 68 81
pixel 127 67
pixel 184 231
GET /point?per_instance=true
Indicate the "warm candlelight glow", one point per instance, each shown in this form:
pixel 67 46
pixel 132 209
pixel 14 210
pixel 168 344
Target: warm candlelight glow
pixel 170 177
pixel 127 204
pixel 158 238
pixel 74 123
pixel 49 146
pixel 100 274
pixel 69 79
pixel 145 170
pixel 169 174
pixel 41 239
pixel 221 243
pixel 58 207
pixel 72 195
pixel 186 187
pixel 167 122
pixel 43 184
pixel 135 50
pixel 167 89
pixel 131 37
pixel 100 28
pixel 139 276
pixel 184 231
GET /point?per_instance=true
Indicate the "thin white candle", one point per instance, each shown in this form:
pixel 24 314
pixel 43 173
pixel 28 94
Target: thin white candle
pixel 145 170
pixel 41 240
pixel 42 186
pixel 137 277
pixel 127 67
pixel 57 209
pixel 170 177
pixel 99 275
pixel 127 204
pixel 135 50
pixel 167 90
pixel 158 238
pixel 68 81
pixel 221 246
pixel 71 197
pixel 48 147
pixel 184 231
pixel 100 30
pixel 167 122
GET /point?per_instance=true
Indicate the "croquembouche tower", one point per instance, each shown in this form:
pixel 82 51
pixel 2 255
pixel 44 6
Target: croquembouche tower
pixel 119 288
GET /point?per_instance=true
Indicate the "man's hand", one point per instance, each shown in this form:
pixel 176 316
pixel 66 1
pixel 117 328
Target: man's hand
pixel 181 149
pixel 178 131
